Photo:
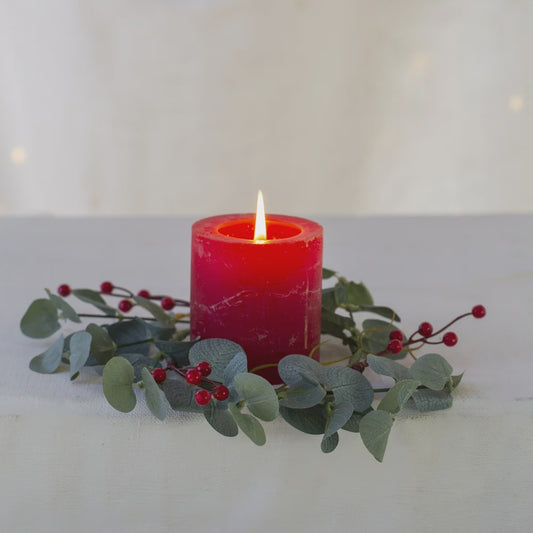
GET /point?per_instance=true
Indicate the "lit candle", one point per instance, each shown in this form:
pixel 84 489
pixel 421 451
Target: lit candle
pixel 260 289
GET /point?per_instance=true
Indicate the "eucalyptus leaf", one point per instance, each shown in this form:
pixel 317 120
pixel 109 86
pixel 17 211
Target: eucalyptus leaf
pixel 453 382
pixel 155 398
pixel 374 429
pixel 398 395
pixel 237 365
pixel 294 369
pixel 92 297
pixel 179 394
pixel 128 336
pixel 217 352
pixel 329 443
pixel 348 385
pixel 250 426
pixel 177 351
pixel 341 413
pixel 429 400
pixel 80 348
pixel 353 422
pixel 117 384
pixel 259 395
pixel 432 370
pixel 139 361
pixel 312 420
pixel 66 309
pixel 387 367
pixel 156 311
pixel 306 394
pixel 48 361
pixel 40 320
pixel 102 346
pixel 221 420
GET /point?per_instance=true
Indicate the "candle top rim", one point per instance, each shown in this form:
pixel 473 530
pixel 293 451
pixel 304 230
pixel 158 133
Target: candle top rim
pixel 210 228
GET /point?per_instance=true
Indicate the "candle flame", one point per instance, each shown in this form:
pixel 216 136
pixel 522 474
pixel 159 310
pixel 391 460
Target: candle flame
pixel 260 233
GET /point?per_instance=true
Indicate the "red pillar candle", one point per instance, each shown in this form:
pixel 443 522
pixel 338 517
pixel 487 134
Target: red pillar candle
pixel 262 294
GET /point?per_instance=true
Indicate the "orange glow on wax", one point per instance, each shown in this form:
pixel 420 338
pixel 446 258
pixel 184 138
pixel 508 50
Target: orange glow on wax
pixel 260 233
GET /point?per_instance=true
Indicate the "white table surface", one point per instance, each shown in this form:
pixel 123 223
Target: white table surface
pixel 69 462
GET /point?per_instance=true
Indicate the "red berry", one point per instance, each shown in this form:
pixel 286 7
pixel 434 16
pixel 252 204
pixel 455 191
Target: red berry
pixel 449 339
pixel 167 303
pixel 425 329
pixel 204 368
pixel 479 311
pixel 143 293
pixel 159 375
pixel 395 346
pixel 125 306
pixel 396 335
pixel 193 376
pixel 106 287
pixel 64 290
pixel 202 397
pixel 221 393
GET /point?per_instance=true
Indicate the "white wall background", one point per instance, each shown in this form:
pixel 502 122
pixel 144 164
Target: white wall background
pixel 341 106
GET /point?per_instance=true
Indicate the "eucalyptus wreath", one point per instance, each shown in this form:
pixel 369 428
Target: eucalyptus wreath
pixel 151 355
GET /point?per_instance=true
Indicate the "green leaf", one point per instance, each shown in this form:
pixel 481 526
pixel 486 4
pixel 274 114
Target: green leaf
pixel 305 394
pixel 334 324
pixel 353 422
pixel 179 394
pixel 327 273
pixel 329 443
pixel 155 398
pixel 217 352
pixel 102 346
pixel 156 311
pixel 294 369
pixel 117 383
pixel 40 320
pixel 356 293
pixel 249 425
pixel 453 382
pixel 178 351
pixel 127 332
pixel 139 361
pixel 221 420
pixel 432 370
pixel 398 395
pixel 429 400
pixel 259 395
pixel 312 420
pixel 66 309
pixel 374 429
pixel 237 365
pixel 80 348
pixel 387 367
pixel 340 415
pixel 48 362
pixel 380 310
pixel 348 385
pixel 92 297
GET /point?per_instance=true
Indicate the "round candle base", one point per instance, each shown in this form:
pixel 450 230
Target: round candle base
pixel 263 295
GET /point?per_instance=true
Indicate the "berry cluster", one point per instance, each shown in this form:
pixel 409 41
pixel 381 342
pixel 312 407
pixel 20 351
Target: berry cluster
pixel 196 376
pixel 126 304
pixel 425 332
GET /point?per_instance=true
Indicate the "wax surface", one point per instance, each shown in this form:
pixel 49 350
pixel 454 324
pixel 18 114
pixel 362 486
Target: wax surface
pixel 266 296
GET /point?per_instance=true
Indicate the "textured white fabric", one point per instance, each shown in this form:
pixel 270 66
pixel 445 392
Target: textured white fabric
pixel 189 106
pixel 68 462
